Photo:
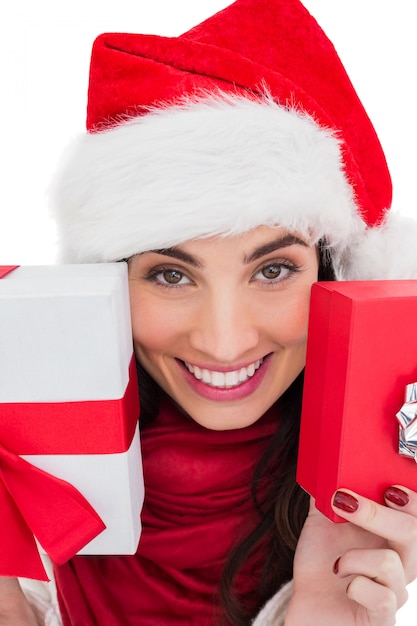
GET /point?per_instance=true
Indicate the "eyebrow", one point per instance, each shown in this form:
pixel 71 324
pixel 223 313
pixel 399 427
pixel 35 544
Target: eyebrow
pixel 271 246
pixel 179 254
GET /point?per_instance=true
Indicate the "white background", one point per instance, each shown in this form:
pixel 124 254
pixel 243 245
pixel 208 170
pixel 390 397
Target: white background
pixel 44 55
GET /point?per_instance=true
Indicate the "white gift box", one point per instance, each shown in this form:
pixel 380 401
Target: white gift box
pixel 65 337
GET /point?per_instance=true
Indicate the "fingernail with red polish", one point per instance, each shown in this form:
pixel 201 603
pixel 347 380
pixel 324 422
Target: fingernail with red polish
pixel 345 502
pixel 397 496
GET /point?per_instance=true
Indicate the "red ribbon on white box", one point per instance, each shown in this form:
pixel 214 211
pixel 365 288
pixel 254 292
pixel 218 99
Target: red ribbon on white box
pixel 97 426
pixel 6 269
pixel 37 504
pixel 34 503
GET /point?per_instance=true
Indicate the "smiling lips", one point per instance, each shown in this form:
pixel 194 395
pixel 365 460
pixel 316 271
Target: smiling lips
pixel 224 380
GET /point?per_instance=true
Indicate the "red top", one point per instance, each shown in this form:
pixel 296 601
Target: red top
pixel 197 503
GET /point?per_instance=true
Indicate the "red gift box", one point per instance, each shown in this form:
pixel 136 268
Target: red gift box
pixel 361 355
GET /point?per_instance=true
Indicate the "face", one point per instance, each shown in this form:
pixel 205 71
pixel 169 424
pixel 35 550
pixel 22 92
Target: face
pixel 221 323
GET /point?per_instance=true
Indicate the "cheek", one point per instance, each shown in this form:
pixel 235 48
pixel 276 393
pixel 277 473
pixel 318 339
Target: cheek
pixel 290 321
pixel 153 329
pixel 298 325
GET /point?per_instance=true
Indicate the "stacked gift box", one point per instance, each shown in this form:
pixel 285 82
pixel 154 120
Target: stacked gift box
pixel 68 407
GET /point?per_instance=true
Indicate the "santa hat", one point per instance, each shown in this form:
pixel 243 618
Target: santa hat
pixel 248 119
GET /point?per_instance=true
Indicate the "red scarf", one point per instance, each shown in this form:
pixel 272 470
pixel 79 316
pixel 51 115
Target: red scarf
pixel 197 504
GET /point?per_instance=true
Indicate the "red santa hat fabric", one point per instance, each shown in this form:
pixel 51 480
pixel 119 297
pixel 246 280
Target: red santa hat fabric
pixel 247 119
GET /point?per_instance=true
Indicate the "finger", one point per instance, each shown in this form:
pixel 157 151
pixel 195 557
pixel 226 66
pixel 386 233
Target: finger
pixel 381 566
pixel 9 587
pixel 399 528
pixel 380 602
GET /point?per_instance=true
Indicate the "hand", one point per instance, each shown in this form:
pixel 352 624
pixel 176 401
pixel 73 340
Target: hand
pixel 14 608
pixel 355 574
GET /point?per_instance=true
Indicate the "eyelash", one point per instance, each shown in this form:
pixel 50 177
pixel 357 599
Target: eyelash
pixel 155 273
pixel 291 269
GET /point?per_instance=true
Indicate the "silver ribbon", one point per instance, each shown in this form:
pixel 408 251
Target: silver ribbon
pixel 407 418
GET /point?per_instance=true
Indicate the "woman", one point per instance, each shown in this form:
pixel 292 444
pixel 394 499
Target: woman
pixel 231 168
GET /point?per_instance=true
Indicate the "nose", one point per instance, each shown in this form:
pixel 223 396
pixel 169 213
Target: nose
pixel 224 330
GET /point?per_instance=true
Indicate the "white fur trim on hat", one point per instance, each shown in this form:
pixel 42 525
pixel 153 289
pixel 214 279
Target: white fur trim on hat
pixel 386 252
pixel 220 165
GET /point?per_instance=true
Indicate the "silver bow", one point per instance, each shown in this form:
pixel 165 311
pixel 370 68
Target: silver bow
pixel 407 418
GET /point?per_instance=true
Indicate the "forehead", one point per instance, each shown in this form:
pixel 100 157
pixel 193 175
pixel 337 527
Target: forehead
pixel 247 241
pixel 245 248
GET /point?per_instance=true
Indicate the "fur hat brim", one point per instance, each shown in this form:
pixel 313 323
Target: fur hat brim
pixel 220 165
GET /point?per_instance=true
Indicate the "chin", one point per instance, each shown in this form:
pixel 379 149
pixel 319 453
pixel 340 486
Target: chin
pixel 226 420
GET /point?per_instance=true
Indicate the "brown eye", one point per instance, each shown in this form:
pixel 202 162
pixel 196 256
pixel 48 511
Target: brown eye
pixel 272 271
pixel 168 277
pixel 172 277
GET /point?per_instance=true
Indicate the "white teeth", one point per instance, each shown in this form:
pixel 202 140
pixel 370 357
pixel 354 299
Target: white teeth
pixel 243 375
pixel 224 380
pixel 231 379
pixel 217 379
pixel 251 369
